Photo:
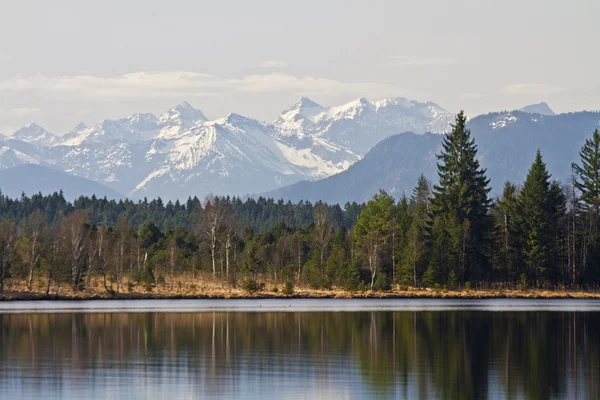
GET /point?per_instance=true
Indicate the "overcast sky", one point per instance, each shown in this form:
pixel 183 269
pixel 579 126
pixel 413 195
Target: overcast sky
pixel 65 61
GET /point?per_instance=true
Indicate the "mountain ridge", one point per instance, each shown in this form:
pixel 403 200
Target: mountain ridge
pixel 507 143
pixel 181 153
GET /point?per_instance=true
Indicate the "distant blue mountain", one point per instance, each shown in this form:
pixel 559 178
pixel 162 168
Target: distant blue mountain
pixel 507 144
pixel 31 179
pixel 540 108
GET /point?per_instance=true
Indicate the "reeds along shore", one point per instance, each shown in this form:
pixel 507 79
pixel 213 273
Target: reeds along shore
pixel 209 289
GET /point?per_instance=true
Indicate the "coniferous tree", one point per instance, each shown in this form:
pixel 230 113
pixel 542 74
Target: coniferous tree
pixel 403 220
pixel 461 200
pixel 535 220
pixel 587 181
pixel 414 246
pixel 505 233
pixel 557 203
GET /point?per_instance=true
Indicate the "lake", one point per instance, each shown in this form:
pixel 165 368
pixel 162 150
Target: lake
pixel 454 349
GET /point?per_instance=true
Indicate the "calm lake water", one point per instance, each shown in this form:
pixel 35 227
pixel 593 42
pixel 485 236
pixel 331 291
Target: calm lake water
pixel 300 349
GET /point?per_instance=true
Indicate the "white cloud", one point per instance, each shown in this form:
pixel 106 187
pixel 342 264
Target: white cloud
pixel 404 61
pixel 273 64
pixel 178 84
pixel 534 89
pixel 18 111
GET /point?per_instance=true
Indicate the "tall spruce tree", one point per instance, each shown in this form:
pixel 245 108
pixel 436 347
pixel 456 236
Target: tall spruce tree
pixel 461 199
pixel 505 235
pixel 587 181
pixel 535 220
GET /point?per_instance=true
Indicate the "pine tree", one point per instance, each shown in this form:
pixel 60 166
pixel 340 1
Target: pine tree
pixel 535 219
pixel 403 222
pixel 461 199
pixel 587 181
pixel 414 246
pixel 505 233
pixel 588 176
pixel 557 208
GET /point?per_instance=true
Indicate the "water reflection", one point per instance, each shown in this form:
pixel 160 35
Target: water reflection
pixel 449 354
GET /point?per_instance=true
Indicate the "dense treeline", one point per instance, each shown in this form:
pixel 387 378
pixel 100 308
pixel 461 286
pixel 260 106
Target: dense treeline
pixel 260 214
pixel 452 234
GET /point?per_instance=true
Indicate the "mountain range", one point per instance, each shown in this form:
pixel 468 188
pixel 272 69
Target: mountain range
pixel 337 154
pixel 507 143
pixel 182 153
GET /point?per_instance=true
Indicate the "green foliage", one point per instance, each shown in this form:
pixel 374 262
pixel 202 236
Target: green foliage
pixel 382 283
pixel 373 231
pixel 288 288
pixel 541 234
pixel 535 219
pixel 461 200
pixel 252 285
pixel 586 179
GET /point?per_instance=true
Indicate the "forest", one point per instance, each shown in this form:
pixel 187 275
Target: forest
pixel 539 233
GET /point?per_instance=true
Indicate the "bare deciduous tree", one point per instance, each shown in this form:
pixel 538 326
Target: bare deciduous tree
pixel 33 228
pixel 211 224
pixel 76 235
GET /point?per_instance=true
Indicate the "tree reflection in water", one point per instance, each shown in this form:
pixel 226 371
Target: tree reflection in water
pixel 444 354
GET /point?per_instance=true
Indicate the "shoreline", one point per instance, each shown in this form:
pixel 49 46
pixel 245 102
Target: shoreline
pixel 237 294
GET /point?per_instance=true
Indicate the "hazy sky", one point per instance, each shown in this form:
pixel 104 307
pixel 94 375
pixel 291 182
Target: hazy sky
pixel 65 61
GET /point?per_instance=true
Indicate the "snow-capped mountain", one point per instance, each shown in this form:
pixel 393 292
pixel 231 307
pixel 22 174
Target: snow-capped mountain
pixel 181 153
pixel 33 133
pixel 360 124
pixel 135 128
pixel 178 119
pixel 507 144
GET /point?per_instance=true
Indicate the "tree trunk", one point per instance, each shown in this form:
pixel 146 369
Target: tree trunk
pixel 394 257
pixel 373 265
pixel 4 264
pixel 213 247
pixel 227 246
pixel 299 247
pixel 172 266
pixel 51 268
pixel 33 259
pixel 415 264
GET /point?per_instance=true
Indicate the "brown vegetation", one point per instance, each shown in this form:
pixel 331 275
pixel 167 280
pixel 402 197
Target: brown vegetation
pixel 207 288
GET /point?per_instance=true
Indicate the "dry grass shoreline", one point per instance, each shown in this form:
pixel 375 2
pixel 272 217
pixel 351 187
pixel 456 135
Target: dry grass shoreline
pixel 208 290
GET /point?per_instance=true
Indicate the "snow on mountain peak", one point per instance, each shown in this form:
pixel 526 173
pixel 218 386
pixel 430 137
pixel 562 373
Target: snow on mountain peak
pixel 33 133
pixel 79 127
pixel 181 153
pixel 351 110
pixel 186 111
pixel 178 119
pixel 305 102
